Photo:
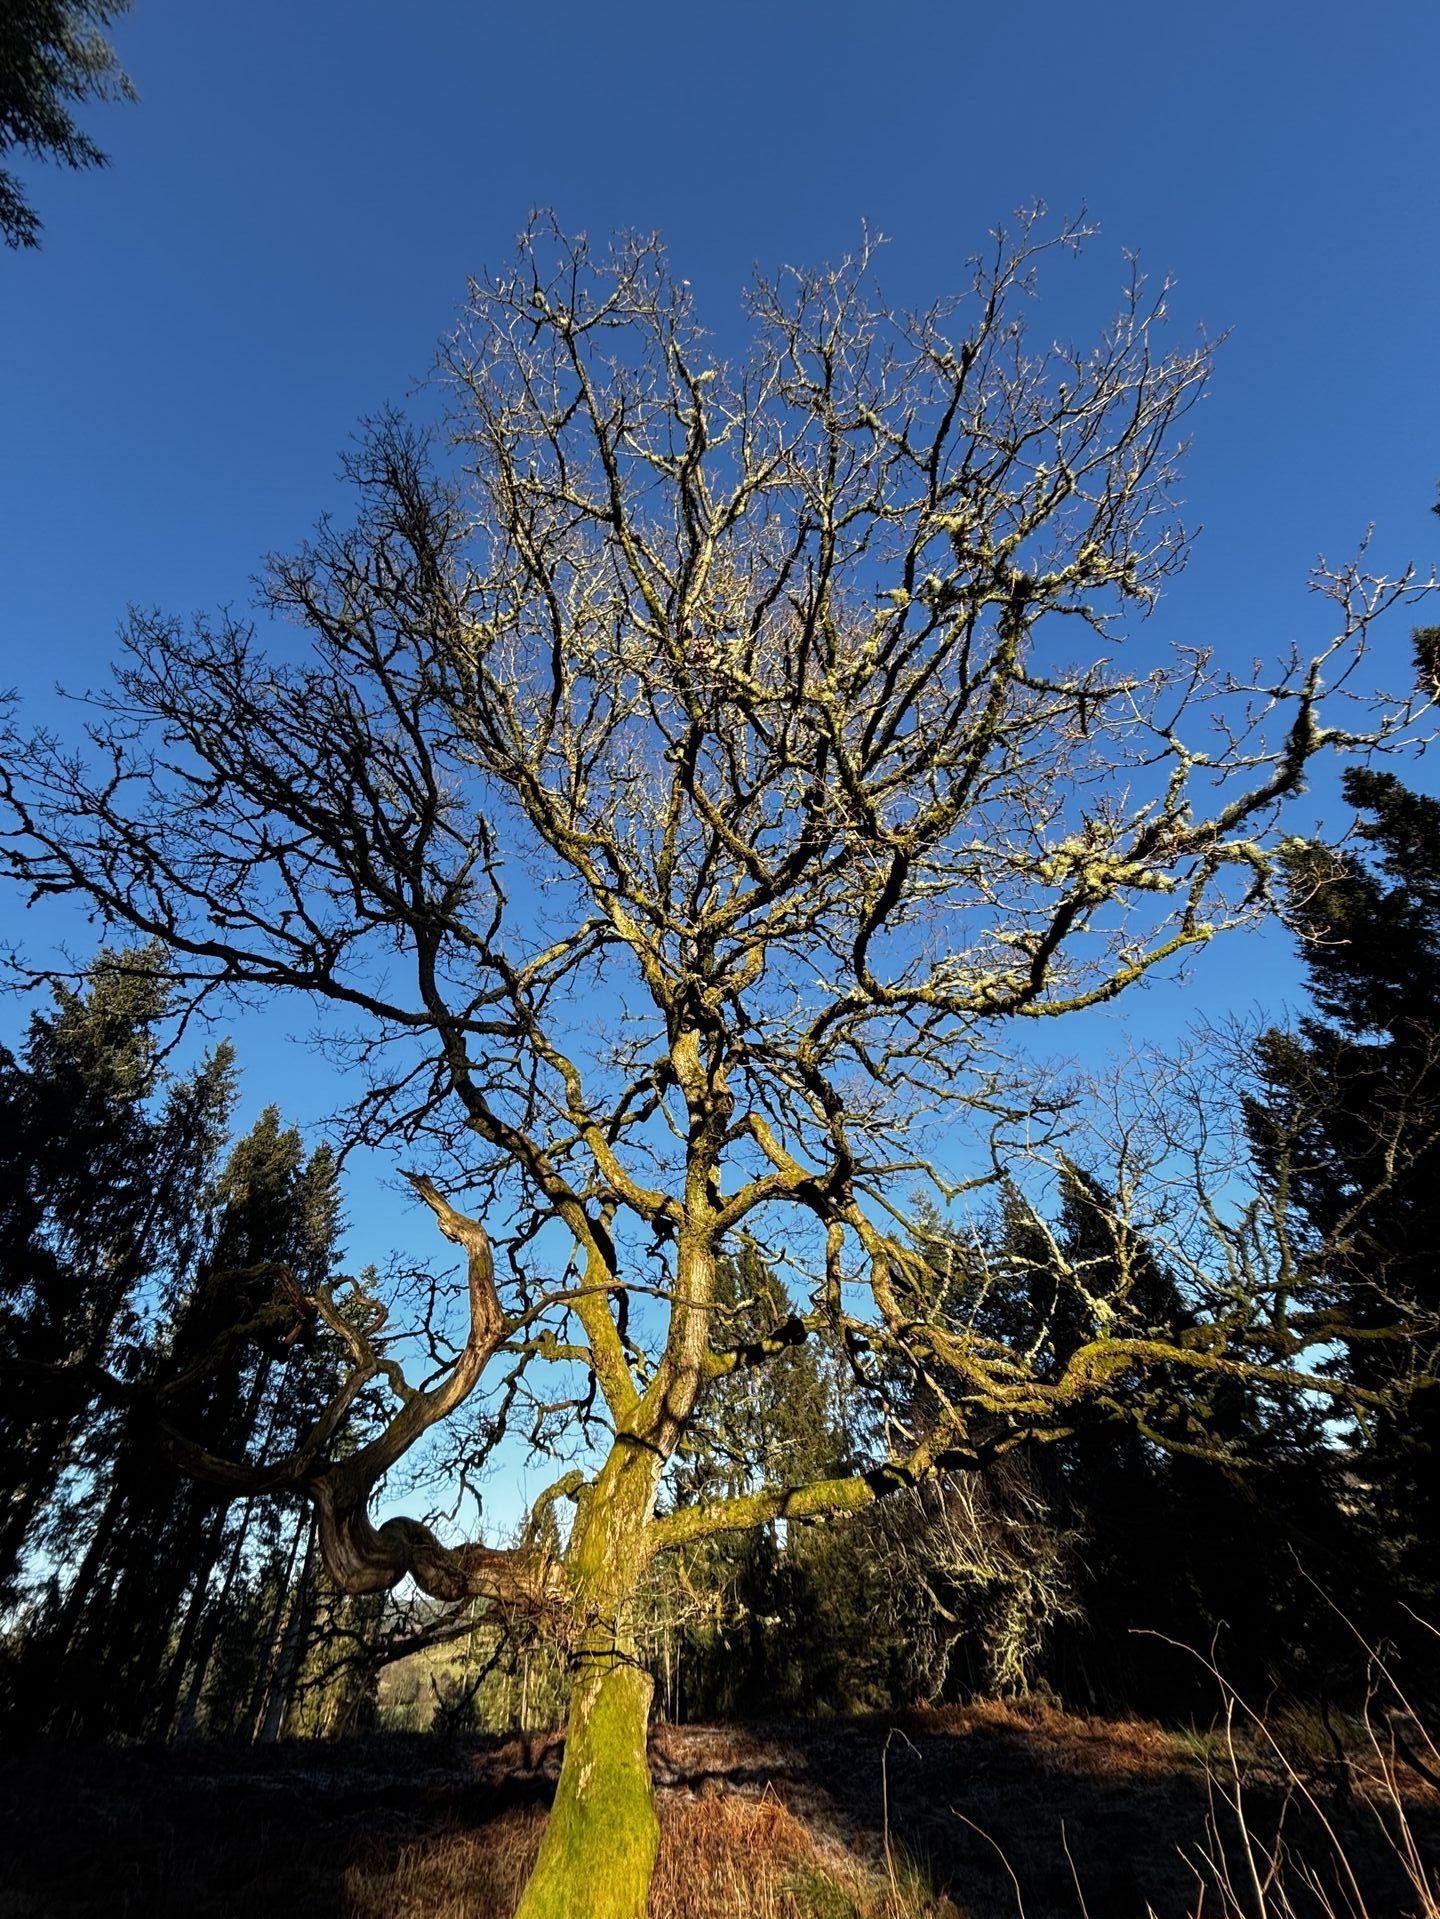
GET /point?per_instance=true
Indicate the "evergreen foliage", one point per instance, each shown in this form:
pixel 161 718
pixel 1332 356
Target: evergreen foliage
pixel 159 1536
pixel 785 1603
pixel 101 1156
pixel 52 56
pixel 130 1252
pixel 1347 1120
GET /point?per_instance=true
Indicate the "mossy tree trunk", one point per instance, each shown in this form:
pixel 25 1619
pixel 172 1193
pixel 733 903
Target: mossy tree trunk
pixel 598 1853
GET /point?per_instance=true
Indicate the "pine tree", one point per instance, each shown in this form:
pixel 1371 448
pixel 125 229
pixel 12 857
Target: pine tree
pixel 103 1157
pixel 1348 1119
pixel 776 1594
pixel 52 55
pixel 1189 1513
pixel 1204 1551
pixel 142 1615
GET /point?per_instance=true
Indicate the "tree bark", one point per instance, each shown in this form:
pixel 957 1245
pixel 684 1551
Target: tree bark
pixel 598 1853
pixel 292 1641
pixel 265 1679
pixel 202 1630
pixel 181 1661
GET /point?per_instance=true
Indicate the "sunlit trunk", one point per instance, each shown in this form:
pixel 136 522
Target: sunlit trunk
pixel 598 1853
pixel 207 1617
pixel 265 1679
pixel 292 1640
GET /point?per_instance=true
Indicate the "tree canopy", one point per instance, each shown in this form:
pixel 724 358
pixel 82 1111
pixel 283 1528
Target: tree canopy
pixel 691 774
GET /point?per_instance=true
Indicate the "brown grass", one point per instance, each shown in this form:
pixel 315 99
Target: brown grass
pixel 996 1805
pixel 1086 1744
pixel 475 1874
pixel 720 1857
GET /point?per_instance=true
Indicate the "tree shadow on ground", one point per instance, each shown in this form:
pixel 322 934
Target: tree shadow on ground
pixel 1060 1816
pixel 1077 1810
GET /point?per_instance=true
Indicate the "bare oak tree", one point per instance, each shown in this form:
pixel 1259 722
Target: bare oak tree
pixel 688 778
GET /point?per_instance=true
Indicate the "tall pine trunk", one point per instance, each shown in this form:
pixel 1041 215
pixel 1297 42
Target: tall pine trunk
pixel 292 1641
pixel 274 1630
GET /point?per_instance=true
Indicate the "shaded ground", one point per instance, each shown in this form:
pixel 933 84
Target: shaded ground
pixel 780 1818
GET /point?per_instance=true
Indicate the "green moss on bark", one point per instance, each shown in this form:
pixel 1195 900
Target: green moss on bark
pixel 598 1853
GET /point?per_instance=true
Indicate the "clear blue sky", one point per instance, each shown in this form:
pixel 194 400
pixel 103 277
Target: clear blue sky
pixel 296 202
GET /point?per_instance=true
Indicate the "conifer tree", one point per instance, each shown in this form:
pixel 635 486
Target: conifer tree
pixel 142 1592
pixel 52 55
pixel 770 1639
pixel 103 1162
pixel 1347 1124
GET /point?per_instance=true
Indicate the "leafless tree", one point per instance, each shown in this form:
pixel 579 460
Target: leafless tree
pixel 689 775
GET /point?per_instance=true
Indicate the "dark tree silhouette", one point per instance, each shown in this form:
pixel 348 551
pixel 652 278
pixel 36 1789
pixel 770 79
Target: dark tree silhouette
pixel 1348 1126
pixel 105 1160
pixel 160 1533
pixel 52 56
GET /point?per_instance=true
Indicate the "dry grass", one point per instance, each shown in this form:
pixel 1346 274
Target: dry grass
pixel 720 1858
pixel 1086 1744
pixel 474 1874
pixel 1007 1808
pixel 1245 1873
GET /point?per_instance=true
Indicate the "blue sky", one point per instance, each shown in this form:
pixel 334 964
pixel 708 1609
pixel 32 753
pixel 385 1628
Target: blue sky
pixel 296 202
